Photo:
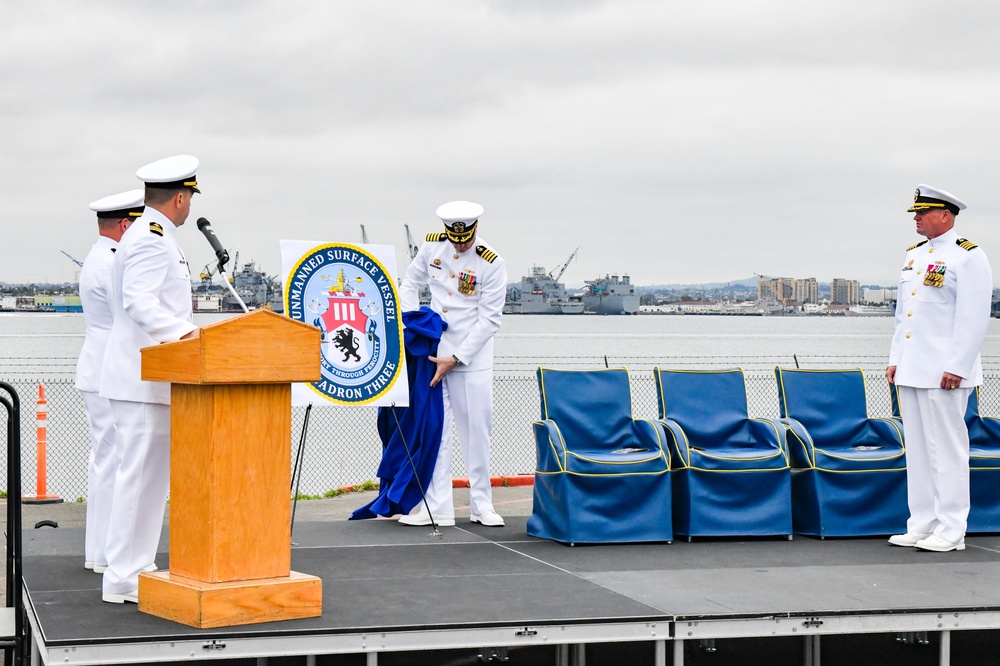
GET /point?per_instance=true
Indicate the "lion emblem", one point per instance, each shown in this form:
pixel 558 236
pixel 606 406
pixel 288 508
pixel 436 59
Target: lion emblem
pixel 345 341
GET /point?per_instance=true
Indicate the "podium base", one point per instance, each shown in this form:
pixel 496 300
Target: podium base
pixel 205 605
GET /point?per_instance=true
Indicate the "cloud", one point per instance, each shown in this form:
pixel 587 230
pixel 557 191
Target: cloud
pixel 704 140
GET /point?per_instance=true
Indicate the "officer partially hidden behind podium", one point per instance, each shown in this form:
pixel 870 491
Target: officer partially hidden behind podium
pixel 115 215
pixel 942 312
pixel 151 303
pixel 468 284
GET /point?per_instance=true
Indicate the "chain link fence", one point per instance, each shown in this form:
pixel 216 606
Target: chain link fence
pixel 342 446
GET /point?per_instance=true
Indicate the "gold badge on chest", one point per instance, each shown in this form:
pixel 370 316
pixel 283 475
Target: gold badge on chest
pixel 467 282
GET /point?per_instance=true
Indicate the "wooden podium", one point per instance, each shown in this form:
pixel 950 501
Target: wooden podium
pixel 230 449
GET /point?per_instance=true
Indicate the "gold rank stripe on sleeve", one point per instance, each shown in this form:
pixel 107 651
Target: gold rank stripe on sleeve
pixel 436 238
pixel 486 253
pixel 965 244
pixel 915 246
pixel 154 227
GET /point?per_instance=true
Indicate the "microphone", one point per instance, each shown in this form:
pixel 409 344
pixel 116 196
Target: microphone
pixel 220 252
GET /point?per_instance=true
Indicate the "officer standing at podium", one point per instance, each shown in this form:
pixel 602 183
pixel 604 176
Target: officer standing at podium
pixel 151 299
pixel 942 313
pixel 114 215
pixel 468 284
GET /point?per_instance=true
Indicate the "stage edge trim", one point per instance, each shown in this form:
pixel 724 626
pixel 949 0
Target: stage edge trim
pixel 240 647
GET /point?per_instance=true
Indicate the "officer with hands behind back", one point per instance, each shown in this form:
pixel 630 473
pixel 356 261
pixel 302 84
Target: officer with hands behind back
pixel 942 312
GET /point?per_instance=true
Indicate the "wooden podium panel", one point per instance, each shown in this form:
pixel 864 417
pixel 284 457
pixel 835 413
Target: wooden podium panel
pixel 206 605
pixel 230 469
pixel 230 518
pixel 257 348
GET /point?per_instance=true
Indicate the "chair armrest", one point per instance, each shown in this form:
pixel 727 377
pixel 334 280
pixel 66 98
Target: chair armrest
pixel 677 441
pixel 801 449
pixel 771 431
pixel 991 425
pixel 888 430
pixel 650 436
pixel 550 449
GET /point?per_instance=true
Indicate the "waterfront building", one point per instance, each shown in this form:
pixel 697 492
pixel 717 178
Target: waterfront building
pixel 844 292
pixel 806 290
pixel 879 296
pixel 788 291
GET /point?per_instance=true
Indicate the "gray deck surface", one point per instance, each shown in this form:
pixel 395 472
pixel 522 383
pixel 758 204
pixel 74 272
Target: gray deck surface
pixel 380 576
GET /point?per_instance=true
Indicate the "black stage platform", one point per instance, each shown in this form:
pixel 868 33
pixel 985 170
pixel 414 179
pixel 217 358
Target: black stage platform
pixel 389 588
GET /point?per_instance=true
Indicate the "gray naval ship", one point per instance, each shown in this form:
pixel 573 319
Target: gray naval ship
pixel 542 293
pixel 611 295
pixel 255 288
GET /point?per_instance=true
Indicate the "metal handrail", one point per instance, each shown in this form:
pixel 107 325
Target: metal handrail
pixel 15 648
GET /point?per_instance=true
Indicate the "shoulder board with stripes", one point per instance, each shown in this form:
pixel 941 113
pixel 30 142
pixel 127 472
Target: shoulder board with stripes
pixel 965 244
pixel 914 247
pixel 486 253
pixel 154 227
pixel 436 238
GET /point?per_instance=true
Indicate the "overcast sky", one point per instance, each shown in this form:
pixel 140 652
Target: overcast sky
pixel 678 141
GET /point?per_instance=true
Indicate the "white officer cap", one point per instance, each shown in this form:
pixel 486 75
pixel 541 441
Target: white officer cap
pixel 460 218
pixel 123 204
pixel 171 173
pixel 929 198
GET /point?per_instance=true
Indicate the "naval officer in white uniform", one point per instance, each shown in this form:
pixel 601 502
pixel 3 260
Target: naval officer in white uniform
pixel 114 215
pixel 468 284
pixel 151 295
pixel 942 312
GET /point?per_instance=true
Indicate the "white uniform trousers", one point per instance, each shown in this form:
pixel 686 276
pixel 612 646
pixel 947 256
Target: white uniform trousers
pixel 468 400
pixel 937 460
pixel 141 487
pixel 104 457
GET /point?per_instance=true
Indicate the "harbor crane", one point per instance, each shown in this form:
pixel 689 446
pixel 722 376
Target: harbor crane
pixel 364 235
pixel 72 258
pixel 564 266
pixel 411 247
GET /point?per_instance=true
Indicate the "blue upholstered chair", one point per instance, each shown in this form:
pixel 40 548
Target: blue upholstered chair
pixel 602 476
pixel 984 465
pixel 731 472
pixel 848 470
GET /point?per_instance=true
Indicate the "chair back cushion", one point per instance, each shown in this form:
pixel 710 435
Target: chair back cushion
pixel 831 404
pixel 709 405
pixel 593 408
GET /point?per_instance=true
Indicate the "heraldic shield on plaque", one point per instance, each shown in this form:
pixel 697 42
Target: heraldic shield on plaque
pixel 349 293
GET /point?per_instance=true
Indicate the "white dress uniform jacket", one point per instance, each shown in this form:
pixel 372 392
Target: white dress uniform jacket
pixel 942 313
pixel 154 306
pixel 467 291
pixel 95 292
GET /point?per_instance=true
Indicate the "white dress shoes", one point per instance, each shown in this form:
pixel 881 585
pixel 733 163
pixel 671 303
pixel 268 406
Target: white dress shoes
pixel 939 545
pixel 423 518
pixel 490 518
pixel 131 597
pixel 908 540
pixel 96 568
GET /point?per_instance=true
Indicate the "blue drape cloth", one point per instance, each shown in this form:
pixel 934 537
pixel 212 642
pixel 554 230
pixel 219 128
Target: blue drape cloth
pixel 417 427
